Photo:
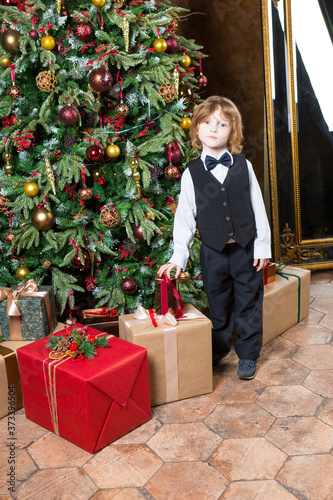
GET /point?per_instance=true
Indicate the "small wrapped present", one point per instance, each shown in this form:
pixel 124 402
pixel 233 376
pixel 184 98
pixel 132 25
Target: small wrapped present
pixel 90 402
pixel 166 295
pixel 10 383
pixel 27 312
pixel 269 273
pixel 102 319
pixel 286 301
pixel 179 352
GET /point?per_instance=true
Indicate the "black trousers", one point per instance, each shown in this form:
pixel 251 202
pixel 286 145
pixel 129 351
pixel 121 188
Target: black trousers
pixel 234 290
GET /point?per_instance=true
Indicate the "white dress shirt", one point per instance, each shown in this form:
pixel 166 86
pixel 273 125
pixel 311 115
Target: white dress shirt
pixel 185 218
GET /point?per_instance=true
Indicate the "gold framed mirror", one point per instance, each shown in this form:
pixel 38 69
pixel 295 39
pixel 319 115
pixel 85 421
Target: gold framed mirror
pixel 298 55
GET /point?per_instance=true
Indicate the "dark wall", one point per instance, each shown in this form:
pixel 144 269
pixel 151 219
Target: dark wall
pixel 231 35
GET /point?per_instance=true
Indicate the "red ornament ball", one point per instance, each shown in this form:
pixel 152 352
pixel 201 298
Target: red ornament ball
pixel 109 217
pixel 100 80
pixel 171 171
pixel 172 153
pixel 68 115
pixel 122 109
pixel 79 264
pixel 95 153
pixel 202 80
pixel 34 35
pixel 85 193
pixel 83 31
pixel 172 44
pixel 8 238
pixel 7 3
pixel 129 285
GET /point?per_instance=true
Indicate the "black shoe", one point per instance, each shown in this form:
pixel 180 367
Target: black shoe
pixel 246 369
pixel 219 356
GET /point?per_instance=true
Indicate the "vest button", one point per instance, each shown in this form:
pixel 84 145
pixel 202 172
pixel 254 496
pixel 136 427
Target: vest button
pixel 231 234
pixel 222 189
pixel 227 218
pixel 225 203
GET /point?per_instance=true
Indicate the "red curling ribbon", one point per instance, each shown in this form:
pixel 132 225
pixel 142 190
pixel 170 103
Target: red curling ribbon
pixel 100 21
pixel 83 175
pixel 85 14
pixel 10 217
pixel 42 29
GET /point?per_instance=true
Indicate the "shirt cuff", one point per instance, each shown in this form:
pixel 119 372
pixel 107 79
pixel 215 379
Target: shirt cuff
pixel 179 260
pixel 262 252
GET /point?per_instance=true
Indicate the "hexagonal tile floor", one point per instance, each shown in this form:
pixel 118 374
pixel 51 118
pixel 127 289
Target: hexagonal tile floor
pixel 271 437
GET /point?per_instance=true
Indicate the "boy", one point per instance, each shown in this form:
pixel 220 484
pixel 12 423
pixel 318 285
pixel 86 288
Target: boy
pixel 221 195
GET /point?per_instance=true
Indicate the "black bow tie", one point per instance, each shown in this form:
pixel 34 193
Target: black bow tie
pixel 212 162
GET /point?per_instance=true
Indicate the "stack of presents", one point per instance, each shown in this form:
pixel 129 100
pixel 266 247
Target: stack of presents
pixel 110 370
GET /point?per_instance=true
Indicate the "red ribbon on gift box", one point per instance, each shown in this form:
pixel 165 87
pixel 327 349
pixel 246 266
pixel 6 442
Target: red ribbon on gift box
pixel 165 282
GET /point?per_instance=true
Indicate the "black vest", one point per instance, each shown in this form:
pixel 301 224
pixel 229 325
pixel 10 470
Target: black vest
pixel 224 211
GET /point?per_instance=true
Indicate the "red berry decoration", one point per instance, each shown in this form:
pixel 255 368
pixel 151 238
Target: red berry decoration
pixel 100 80
pixel 77 262
pixel 34 35
pixel 68 115
pixel 172 153
pixel 82 31
pixel 172 44
pixel 129 285
pixel 95 153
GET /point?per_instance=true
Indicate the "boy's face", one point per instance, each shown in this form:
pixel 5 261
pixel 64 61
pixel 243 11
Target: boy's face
pixel 214 133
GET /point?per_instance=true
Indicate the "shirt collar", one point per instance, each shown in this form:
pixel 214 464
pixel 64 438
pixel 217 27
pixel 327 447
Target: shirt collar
pixel 204 154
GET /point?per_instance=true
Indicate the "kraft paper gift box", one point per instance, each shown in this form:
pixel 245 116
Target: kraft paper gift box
pixel 179 357
pixel 27 312
pixel 286 301
pixel 10 382
pixel 88 402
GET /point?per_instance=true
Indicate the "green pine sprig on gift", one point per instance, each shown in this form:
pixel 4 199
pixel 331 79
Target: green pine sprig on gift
pixel 78 343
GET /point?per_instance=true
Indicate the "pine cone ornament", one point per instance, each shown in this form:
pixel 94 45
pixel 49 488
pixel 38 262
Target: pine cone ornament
pixel 156 170
pixel 63 51
pixel 69 140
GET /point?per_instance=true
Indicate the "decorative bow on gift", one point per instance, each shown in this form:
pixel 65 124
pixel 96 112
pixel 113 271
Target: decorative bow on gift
pixel 156 319
pixel 12 296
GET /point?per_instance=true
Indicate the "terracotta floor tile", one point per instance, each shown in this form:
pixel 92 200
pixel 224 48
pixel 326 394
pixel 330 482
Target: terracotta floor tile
pixel 281 372
pixel 314 357
pixel 279 348
pixel 120 494
pixel 230 389
pixel 26 431
pixel 141 434
pixel 301 435
pixel 248 459
pixel 187 480
pixel 325 412
pixel 179 442
pixel 323 305
pixel 310 476
pixel 309 335
pixel 5 497
pixel 23 465
pixel 65 484
pixel 239 420
pixel 123 466
pixel 289 401
pixel 54 451
pixel 313 319
pixel 186 410
pixel 257 490
pixel 320 382
pixel 321 290
pixel 327 321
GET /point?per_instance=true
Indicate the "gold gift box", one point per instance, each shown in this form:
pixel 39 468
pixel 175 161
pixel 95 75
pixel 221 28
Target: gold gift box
pixel 286 301
pixel 180 355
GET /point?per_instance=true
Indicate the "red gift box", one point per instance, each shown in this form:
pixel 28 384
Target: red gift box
pixel 91 402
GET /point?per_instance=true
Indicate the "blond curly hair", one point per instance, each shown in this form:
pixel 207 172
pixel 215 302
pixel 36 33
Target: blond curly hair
pixel 229 112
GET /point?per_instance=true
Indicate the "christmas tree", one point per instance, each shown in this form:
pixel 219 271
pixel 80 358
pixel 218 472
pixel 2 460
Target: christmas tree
pixel 96 103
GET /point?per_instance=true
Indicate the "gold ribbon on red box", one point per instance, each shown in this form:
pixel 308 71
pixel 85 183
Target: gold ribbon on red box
pixel 30 288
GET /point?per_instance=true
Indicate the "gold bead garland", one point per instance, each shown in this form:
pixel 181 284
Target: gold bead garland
pixel 125 30
pixel 8 167
pixel 175 76
pixel 58 4
pixel 50 175
pixel 134 162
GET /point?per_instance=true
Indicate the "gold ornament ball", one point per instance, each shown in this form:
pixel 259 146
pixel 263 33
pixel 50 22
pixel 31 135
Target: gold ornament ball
pixel 122 109
pixel 46 81
pixel 48 42
pixel 134 162
pixel 14 92
pixel 98 3
pixel 5 60
pixel 10 41
pixel 167 92
pixel 42 219
pixel 109 217
pixel 160 45
pixel 185 62
pixel 31 189
pixel 112 151
pixel 184 277
pixel 8 238
pixel 22 272
pixel 6 156
pixel 185 123
pixel 85 193
pixel 186 92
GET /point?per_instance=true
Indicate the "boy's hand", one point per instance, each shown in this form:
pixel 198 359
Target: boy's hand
pixel 167 268
pixel 260 263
